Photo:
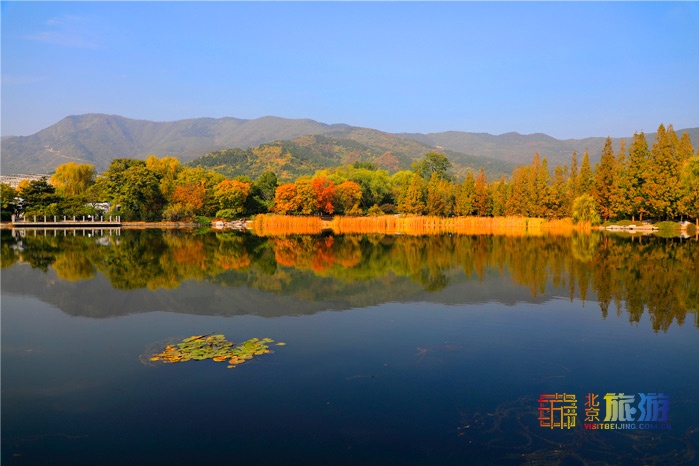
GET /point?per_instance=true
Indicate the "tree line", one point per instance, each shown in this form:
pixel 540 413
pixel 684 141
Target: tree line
pixel 639 181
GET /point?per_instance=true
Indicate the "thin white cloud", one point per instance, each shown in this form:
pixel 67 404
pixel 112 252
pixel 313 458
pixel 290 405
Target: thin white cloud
pixel 68 31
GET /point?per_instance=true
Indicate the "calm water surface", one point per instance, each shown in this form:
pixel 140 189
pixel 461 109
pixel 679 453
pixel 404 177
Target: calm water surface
pixel 400 350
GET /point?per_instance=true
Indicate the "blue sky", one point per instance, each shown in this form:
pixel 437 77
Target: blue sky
pixel 570 70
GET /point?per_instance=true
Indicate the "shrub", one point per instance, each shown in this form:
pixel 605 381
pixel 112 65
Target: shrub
pixel 227 214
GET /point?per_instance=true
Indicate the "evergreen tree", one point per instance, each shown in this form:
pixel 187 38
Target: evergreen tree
pixel 499 197
pixel 440 198
pixel 518 201
pixel 686 150
pixel 573 179
pixel 621 205
pixel 662 186
pixel 481 200
pixel 557 202
pixel 413 202
pixel 465 195
pixel 636 176
pixel 602 190
pixel 585 179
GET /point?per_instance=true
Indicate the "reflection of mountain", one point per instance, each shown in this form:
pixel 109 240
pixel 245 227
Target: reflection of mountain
pixel 235 274
pixel 98 299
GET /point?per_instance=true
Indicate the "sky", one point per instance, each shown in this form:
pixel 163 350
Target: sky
pixel 567 69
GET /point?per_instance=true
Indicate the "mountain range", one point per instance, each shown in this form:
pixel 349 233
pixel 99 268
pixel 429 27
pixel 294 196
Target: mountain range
pixel 305 145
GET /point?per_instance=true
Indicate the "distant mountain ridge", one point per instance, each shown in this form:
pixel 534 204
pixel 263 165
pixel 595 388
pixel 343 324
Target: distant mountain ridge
pixel 99 138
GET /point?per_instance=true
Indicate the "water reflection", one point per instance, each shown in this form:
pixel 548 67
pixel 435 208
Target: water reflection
pixel 632 275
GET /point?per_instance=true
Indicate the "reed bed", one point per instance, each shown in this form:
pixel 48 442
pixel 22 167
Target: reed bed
pixel 280 225
pixel 274 225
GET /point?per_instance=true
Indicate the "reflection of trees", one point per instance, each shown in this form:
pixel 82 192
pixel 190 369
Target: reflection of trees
pixel 633 275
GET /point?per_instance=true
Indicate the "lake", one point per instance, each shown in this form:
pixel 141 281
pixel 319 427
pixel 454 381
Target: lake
pixel 403 349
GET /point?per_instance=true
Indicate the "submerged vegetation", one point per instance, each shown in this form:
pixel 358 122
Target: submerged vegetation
pixel 215 347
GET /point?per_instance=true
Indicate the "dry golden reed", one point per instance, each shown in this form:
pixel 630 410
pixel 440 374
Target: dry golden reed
pixel 278 225
pixel 274 225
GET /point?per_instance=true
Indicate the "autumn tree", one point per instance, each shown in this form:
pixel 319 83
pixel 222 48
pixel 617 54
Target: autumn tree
pixel 662 183
pixel 689 202
pixel 440 197
pixel 498 194
pixel 167 170
pixel 465 196
pixel 585 178
pixel 285 200
pixel 231 195
pixel 414 200
pixel 573 179
pixel 635 175
pixel 72 179
pixel 348 196
pixel 481 199
pixel 620 201
pixel 538 186
pixel 325 195
pixel 307 197
pixel 603 187
pixel 557 206
pixel 518 200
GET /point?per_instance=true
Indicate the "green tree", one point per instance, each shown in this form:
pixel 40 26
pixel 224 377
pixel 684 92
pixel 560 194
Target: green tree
pixel 40 198
pixel 8 204
pixel 433 163
pixel 133 189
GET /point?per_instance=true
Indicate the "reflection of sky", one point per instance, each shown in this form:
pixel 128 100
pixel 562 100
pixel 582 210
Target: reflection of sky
pixel 383 382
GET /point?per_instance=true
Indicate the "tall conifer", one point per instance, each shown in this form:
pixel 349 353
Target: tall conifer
pixel 585 179
pixel 604 180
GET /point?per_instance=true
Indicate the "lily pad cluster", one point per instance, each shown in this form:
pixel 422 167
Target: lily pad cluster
pixel 216 347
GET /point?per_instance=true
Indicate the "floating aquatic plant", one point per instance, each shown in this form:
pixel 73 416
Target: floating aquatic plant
pixel 216 347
